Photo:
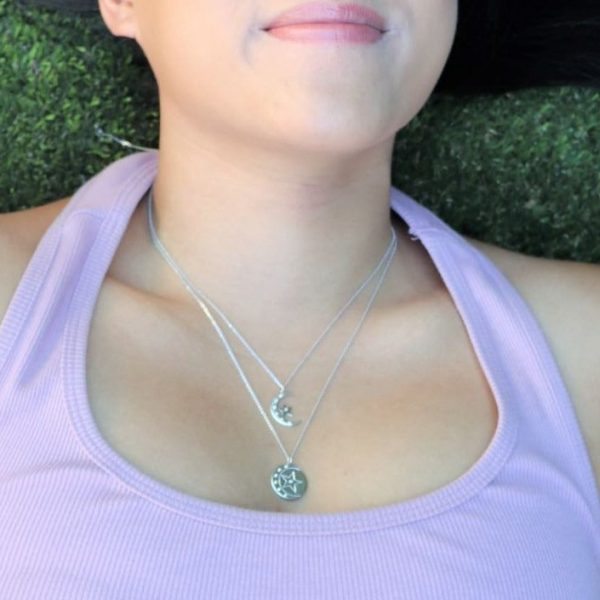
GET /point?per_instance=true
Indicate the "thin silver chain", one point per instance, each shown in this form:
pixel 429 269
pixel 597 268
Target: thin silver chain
pixel 388 256
pixel 103 135
pixel 198 293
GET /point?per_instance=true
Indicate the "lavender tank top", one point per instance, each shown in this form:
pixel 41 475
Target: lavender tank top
pixel 79 522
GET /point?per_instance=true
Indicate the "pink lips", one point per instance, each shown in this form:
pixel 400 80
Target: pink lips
pixel 337 15
pixel 327 32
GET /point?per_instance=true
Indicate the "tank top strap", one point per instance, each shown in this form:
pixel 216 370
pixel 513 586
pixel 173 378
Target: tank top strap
pixel 88 228
pixel 514 352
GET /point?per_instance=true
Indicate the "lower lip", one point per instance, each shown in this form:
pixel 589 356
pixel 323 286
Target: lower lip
pixel 327 32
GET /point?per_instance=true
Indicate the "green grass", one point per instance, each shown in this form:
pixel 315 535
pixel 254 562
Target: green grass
pixel 519 170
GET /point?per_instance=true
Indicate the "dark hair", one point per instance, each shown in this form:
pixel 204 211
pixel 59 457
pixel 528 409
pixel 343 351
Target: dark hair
pixel 72 6
pixel 500 45
pixel 504 45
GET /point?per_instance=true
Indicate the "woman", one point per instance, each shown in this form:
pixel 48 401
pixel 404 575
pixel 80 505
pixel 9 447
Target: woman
pixel 170 331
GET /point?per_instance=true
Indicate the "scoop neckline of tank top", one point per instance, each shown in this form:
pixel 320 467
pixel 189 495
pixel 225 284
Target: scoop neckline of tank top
pixel 138 174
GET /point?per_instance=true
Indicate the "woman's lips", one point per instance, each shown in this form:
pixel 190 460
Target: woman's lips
pixel 327 32
pixel 323 12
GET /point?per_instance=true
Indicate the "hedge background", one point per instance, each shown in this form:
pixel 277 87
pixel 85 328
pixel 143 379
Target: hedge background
pixel 519 170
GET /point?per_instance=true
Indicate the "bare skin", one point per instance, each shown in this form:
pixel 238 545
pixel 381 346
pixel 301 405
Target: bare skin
pixel 173 406
pixel 274 162
pixel 293 141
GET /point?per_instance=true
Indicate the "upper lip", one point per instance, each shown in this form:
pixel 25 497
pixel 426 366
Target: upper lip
pixel 321 12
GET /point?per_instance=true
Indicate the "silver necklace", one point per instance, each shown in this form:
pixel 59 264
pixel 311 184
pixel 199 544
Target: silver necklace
pixel 281 414
pixel 288 481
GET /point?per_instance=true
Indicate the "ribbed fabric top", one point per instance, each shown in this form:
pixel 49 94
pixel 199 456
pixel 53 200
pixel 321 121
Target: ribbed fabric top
pixel 80 522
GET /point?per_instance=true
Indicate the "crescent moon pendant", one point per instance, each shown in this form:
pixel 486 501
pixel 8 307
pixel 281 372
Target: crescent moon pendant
pixel 282 413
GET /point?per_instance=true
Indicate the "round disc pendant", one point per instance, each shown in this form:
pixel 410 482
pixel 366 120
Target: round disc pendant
pixel 289 482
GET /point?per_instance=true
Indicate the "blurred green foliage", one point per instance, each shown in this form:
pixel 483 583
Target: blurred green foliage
pixel 519 170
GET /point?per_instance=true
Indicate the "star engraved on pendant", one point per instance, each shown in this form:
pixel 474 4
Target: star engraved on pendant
pixel 291 482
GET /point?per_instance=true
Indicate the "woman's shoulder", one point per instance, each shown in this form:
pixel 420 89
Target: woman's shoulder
pixel 20 233
pixel 549 285
pixel 564 296
pixel 23 227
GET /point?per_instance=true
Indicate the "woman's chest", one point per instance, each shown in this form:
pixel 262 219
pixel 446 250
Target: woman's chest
pixel 388 428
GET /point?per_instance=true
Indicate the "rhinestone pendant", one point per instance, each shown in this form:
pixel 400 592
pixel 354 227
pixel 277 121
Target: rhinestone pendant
pixel 289 482
pixel 282 414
